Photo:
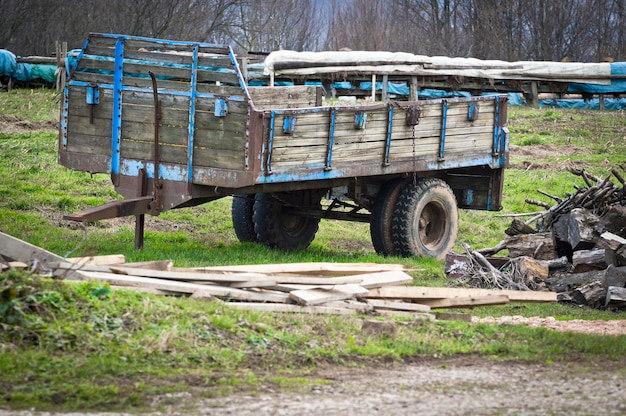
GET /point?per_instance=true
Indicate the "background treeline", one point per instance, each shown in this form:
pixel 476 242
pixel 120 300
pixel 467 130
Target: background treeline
pixel 575 30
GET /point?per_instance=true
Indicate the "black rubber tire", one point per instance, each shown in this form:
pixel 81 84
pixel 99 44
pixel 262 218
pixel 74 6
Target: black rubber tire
pixel 241 213
pixel 382 215
pixel 277 228
pixel 426 220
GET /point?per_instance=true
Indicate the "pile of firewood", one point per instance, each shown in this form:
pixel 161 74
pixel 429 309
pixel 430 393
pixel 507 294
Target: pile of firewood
pixel 576 247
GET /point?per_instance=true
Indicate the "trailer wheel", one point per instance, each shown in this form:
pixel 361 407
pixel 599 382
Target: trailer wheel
pixel 276 223
pixel 241 213
pixel 382 215
pixel 425 220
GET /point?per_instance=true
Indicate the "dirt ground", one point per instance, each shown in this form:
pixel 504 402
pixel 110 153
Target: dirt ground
pixel 465 385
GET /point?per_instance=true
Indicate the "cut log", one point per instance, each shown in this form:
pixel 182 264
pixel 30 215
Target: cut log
pixel 611 243
pixel 418 293
pixel 592 294
pixel 519 227
pixel 614 276
pixel 539 246
pixel 591 259
pixel 614 220
pixel 529 271
pixel 566 282
pixel 615 297
pixel 583 229
pixel 620 256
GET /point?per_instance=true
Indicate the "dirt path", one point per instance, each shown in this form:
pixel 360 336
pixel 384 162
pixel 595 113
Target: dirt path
pixel 438 386
pixel 457 386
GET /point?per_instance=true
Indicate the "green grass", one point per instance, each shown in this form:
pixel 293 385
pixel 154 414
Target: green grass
pixel 84 346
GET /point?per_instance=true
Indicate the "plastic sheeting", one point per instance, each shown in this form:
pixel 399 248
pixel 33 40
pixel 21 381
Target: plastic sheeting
pixel 392 63
pixel 25 72
pixel 11 68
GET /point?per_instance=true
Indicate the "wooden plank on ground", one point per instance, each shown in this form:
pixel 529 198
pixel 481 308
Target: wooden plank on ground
pixel 276 307
pixel 318 296
pixel 466 302
pixel 381 279
pixel 164 265
pixel 415 315
pixel 423 292
pixel 165 274
pixel 398 306
pixel 313 268
pixel 18 250
pixel 316 281
pixel 369 280
pixel 99 260
pixel 185 287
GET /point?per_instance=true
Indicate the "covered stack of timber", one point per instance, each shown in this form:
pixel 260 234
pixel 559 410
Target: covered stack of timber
pixel 576 247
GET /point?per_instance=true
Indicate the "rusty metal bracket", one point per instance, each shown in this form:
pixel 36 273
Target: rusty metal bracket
pixel 113 209
pixel 157 119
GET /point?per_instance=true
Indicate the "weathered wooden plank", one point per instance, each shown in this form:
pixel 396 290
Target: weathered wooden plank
pixel 19 250
pixel 184 287
pixel 312 268
pixel 92 62
pixel 388 278
pixel 226 159
pixel 165 274
pixel 274 307
pixel 285 97
pixel 98 260
pixel 466 302
pixel 423 292
pixel 399 306
pixel 318 296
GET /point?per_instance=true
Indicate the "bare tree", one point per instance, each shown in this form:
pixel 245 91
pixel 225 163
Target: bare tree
pixel 266 25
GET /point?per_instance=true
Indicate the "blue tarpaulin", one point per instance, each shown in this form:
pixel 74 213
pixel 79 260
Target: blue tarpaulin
pixel 24 72
pixel 11 68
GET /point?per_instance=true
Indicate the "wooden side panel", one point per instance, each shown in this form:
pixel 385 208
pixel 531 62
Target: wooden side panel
pixel 308 143
pixel 218 141
pixel 89 127
pixel 353 144
pixel 462 135
pixel 268 98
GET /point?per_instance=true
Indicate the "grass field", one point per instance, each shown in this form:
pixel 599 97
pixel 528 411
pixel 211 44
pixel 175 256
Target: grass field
pixel 85 346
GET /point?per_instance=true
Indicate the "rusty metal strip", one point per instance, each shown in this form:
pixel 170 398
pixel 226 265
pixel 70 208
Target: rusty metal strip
pixel 157 120
pixel 113 209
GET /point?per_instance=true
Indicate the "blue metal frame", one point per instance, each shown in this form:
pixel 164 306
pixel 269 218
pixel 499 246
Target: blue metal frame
pixel 192 112
pixel 116 127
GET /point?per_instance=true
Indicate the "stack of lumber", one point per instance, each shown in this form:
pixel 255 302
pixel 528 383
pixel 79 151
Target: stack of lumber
pixel 338 288
pixel 577 248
